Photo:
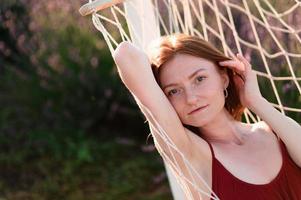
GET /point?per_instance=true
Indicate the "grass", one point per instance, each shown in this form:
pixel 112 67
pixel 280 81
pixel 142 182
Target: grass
pixel 114 170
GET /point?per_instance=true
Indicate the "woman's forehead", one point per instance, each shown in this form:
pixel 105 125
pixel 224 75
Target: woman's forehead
pixel 184 65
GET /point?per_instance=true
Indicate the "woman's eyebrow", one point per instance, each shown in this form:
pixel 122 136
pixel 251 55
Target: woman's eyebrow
pixel 189 77
pixel 194 73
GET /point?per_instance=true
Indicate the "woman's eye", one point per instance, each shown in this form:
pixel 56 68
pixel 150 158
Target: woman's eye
pixel 199 78
pixel 172 92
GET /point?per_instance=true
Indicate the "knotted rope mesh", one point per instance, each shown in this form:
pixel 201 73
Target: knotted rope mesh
pixel 265 32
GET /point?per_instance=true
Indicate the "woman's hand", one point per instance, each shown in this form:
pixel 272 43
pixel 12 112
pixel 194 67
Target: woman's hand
pixel 245 80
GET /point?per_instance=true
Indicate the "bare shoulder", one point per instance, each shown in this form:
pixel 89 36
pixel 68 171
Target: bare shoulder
pixel 264 130
pixel 262 125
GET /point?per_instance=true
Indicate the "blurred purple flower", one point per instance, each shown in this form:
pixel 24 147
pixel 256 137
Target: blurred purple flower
pixel 125 141
pixel 159 178
pixel 287 87
pixel 148 148
pixel 94 62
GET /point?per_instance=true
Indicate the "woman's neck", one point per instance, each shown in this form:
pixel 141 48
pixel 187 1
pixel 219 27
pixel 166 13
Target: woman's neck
pixel 224 129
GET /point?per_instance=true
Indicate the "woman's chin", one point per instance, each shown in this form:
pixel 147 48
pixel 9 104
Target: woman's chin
pixel 198 123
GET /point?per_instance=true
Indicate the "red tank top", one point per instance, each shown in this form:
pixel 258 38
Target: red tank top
pixel 285 186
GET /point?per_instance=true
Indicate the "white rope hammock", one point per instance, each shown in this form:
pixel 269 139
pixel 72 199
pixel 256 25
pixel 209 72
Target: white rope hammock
pixel 236 26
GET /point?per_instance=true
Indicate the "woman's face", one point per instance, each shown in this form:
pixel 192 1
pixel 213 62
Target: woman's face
pixel 190 83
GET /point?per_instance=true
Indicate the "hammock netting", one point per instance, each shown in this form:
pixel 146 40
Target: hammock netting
pixel 266 32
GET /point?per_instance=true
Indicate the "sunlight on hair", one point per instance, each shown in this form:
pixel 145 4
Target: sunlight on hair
pixel 173 40
pixel 152 49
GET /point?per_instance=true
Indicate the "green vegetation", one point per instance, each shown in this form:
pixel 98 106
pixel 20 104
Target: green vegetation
pixel 62 111
pixel 83 168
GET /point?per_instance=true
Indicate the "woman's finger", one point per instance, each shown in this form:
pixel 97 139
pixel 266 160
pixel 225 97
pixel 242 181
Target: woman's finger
pixel 240 76
pixel 235 65
pixel 245 62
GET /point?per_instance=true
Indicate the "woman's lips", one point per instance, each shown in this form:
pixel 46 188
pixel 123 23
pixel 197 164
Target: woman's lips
pixel 198 109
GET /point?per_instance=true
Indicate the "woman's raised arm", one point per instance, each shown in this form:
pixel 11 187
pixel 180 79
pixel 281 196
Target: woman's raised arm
pixel 135 71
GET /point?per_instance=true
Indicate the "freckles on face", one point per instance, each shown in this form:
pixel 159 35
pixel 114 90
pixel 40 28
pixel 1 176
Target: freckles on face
pixel 190 82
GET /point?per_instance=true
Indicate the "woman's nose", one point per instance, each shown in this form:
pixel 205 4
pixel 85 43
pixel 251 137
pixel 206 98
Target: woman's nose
pixel 191 98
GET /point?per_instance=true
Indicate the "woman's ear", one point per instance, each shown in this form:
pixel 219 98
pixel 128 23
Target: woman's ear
pixel 225 78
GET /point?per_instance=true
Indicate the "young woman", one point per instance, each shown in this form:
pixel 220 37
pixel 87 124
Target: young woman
pixel 197 95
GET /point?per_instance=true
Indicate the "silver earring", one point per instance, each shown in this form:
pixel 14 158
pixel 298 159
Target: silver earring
pixel 226 93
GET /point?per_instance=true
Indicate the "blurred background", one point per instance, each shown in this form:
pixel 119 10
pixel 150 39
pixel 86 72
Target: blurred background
pixel 69 129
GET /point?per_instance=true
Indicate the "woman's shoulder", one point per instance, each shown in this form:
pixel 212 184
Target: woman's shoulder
pixel 263 126
pixel 264 132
